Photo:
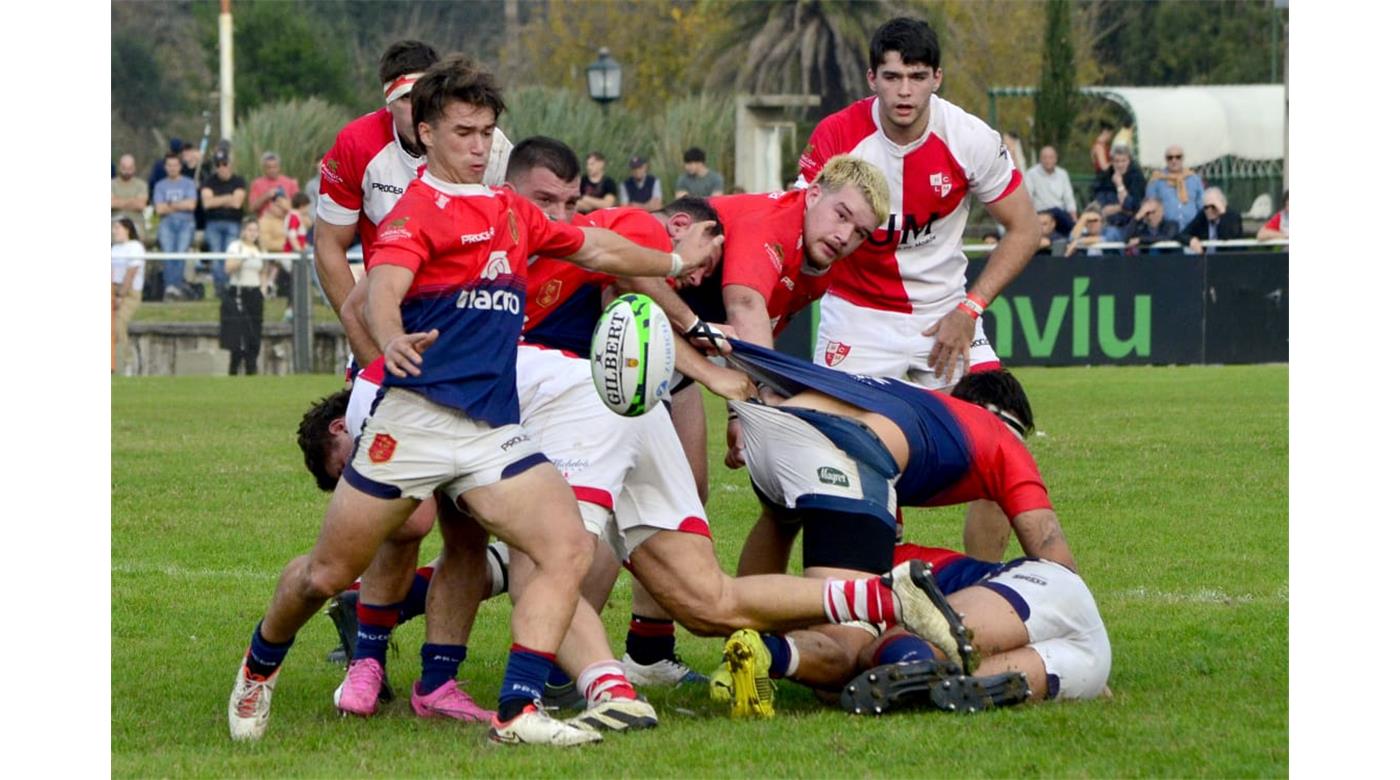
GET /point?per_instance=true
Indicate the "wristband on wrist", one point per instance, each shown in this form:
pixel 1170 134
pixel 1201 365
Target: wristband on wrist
pixel 677 265
pixel 977 299
pixel 966 308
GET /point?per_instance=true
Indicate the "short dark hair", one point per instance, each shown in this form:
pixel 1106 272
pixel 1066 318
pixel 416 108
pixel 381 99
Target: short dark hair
pixel 693 154
pixel 597 155
pixel 454 78
pixel 300 199
pixel 173 156
pixel 913 39
pixel 314 435
pixel 540 151
pixel 406 57
pixel 1001 394
pixel 698 208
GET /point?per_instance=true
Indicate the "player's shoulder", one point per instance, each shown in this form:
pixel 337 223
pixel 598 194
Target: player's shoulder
pixel 963 125
pixel 854 121
pixel 367 133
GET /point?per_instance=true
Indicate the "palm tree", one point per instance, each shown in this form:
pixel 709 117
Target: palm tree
pixel 804 46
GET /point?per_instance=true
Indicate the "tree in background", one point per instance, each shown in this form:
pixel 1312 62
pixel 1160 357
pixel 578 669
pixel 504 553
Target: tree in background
pixel 806 47
pixel 1180 42
pixel 1056 104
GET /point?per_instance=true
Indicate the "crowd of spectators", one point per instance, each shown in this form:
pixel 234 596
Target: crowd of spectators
pixel 188 206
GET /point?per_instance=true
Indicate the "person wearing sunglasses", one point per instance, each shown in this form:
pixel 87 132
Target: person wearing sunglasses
pixel 1179 188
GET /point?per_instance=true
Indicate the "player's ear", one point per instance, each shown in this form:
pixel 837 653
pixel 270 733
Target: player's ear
pixel 813 194
pixel 870 79
pixel 506 185
pixel 678 222
pixel 337 426
pixel 937 78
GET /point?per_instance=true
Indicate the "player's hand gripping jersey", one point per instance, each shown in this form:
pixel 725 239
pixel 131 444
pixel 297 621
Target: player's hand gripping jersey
pixel 467 245
pixel 367 170
pixel 564 301
pixel 914 263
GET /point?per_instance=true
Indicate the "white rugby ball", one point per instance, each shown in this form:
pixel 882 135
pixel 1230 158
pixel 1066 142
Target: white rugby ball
pixel 632 355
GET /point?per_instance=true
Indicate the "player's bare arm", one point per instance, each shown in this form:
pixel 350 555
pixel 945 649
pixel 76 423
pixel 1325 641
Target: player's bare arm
pixel 952 334
pixel 610 253
pixel 723 382
pixel 748 314
pixel 1040 535
pixel 403 352
pixel 332 263
pixel 352 318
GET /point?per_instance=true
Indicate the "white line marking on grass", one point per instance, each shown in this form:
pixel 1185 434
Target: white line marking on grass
pixel 183 572
pixel 1202 596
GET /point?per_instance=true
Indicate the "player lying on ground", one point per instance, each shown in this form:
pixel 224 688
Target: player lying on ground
pixel 1034 624
pixel 658 527
pixel 840 453
pixel 444 309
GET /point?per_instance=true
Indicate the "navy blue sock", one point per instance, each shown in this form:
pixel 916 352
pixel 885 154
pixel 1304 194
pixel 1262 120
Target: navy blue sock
pixel 903 647
pixel 651 639
pixel 440 664
pixel 376 624
pixel 416 602
pixel 526 673
pixel 782 655
pixel 558 678
pixel 263 656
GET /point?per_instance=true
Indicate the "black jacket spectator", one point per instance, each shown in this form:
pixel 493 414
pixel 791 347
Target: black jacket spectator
pixel 1227 227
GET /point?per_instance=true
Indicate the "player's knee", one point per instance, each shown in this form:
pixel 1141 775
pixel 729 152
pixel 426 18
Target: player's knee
pixel 319 582
pixel 569 554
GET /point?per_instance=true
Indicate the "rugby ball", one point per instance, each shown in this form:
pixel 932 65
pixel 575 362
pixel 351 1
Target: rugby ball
pixel 632 355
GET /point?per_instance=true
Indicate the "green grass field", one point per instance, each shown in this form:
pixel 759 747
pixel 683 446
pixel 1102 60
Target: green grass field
pixel 1171 484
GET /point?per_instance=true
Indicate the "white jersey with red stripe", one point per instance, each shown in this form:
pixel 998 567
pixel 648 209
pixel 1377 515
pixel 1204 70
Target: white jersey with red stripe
pixel 914 264
pixel 367 170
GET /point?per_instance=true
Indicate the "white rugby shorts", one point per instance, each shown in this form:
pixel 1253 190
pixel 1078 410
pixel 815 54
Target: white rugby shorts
pixel 821 462
pixel 1063 622
pixel 629 474
pixel 410 446
pixel 873 342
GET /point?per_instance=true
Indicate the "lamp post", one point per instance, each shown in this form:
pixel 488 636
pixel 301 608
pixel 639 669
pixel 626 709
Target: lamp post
pixel 604 79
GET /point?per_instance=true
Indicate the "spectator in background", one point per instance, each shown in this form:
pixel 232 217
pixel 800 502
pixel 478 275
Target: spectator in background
pixel 1051 191
pixel 698 180
pixel 1052 241
pixel 130 194
pixel 1215 222
pixel 1151 225
pixel 1277 226
pixel 641 189
pixel 1012 142
pixel 224 194
pixel 1087 232
pixel 1178 188
pixel 190 160
pixel 1119 191
pixel 267 187
pixel 295 226
pixel 241 308
pixel 1099 152
pixel 175 197
pixel 598 191
pixel 158 167
pixel 128 277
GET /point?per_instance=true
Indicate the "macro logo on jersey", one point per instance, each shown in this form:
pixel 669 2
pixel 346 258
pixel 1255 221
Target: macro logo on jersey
pixel 836 352
pixel 382 448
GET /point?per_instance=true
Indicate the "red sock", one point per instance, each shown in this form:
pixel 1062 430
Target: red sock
pixel 870 600
pixel 605 677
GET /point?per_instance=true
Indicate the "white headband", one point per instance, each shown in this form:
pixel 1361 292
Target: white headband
pixel 393 90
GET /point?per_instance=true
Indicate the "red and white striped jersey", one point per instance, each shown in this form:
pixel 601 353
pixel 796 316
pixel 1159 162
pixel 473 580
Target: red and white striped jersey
pixel 914 263
pixel 367 170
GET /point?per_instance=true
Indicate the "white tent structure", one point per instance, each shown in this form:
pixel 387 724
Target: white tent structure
pixel 1245 122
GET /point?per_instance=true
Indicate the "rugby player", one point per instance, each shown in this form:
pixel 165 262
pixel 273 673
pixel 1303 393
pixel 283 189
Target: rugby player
pixel 840 453
pixel 367 169
pixel 779 250
pixel 1033 622
pixel 899 307
pixel 449 263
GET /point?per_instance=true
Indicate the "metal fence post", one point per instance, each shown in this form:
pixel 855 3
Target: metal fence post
pixel 301 314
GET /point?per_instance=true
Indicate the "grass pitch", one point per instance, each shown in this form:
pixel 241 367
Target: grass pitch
pixel 1171 484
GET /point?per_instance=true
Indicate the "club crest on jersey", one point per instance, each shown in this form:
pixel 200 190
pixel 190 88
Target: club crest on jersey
pixel 330 169
pixel 382 448
pixel 510 223
pixel 441 203
pixel 943 184
pixel 549 293
pixel 836 352
pixel 395 230
pixel 775 255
